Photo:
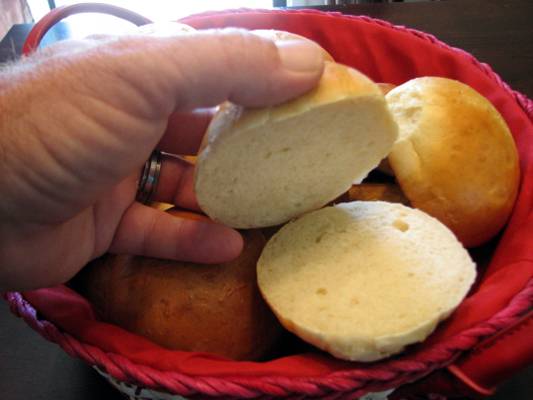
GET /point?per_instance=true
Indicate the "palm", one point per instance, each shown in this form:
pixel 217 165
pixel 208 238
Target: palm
pixel 77 184
pixel 77 126
pixel 54 252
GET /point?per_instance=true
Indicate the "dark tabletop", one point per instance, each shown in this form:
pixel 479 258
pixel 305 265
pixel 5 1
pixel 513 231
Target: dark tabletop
pixel 498 32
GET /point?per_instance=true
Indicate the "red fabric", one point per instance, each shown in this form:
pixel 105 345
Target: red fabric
pixel 439 385
pixel 495 359
pixel 477 372
pixel 386 54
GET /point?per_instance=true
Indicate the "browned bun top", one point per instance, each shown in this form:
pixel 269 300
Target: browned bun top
pixel 185 306
pixel 455 157
pixel 386 87
pixel 389 192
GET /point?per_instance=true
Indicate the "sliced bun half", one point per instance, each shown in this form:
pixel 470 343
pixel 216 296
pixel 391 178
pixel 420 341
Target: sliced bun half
pixel 362 280
pixel 455 158
pixel 262 167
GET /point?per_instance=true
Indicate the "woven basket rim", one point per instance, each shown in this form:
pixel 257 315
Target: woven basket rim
pixel 375 377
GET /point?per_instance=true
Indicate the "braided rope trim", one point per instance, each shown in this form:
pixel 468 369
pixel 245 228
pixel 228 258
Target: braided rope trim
pixel 342 384
pixel 337 385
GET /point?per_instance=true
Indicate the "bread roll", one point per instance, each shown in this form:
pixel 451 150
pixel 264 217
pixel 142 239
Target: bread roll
pixel 185 306
pixel 386 87
pixel 262 167
pixel 455 158
pixel 384 165
pixel 377 192
pixel 286 36
pixel 362 280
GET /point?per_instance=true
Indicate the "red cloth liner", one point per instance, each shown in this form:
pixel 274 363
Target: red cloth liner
pixel 385 54
pixel 497 358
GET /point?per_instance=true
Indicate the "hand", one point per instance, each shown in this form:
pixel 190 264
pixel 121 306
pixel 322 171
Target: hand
pixel 79 119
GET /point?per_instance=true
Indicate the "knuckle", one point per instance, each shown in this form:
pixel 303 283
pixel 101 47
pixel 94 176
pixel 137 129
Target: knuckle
pixel 242 49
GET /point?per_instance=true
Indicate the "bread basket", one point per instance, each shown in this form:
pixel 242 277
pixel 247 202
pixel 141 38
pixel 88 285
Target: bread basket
pixel 462 357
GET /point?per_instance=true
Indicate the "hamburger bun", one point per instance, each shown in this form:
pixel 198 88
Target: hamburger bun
pixel 377 192
pixel 386 87
pixel 282 36
pixel 455 157
pixel 384 165
pixel 184 306
pixel 262 167
pixel 362 280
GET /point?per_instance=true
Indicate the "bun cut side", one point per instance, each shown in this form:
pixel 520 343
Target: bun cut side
pixel 362 280
pixel 262 167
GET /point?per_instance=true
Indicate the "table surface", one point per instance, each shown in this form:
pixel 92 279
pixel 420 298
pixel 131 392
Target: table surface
pixel 498 32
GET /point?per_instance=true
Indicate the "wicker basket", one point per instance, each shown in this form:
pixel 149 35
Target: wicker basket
pixel 498 307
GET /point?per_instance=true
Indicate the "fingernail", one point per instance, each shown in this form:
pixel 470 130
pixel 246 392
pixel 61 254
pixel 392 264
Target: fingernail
pixel 300 55
pixel 233 245
pixel 218 243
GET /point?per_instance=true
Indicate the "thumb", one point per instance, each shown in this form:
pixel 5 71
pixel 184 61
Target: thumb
pixel 205 68
pixel 247 70
pixel 97 114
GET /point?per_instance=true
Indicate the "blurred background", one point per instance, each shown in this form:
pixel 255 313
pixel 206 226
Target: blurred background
pixel 20 11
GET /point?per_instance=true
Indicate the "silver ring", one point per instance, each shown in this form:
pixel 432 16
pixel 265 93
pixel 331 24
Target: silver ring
pixel 149 177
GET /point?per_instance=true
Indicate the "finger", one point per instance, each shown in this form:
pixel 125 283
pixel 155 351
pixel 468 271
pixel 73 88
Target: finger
pixel 64 47
pixel 185 131
pixel 111 104
pixel 163 28
pixel 176 183
pixel 204 68
pixel 101 36
pixel 150 232
pixel 245 69
pixel 160 29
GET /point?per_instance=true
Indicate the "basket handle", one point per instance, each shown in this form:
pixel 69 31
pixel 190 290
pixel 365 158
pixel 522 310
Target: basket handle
pixel 57 14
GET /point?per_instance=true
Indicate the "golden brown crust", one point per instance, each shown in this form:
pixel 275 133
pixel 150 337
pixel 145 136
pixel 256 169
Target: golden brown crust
pixel 377 192
pixel 384 165
pixel 185 306
pixel 455 158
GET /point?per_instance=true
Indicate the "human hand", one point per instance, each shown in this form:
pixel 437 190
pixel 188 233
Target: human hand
pixel 79 119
